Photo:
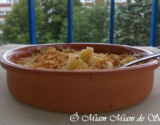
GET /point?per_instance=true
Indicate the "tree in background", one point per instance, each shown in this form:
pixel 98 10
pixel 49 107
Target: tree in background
pixel 49 17
pixel 55 13
pixel 15 29
pixel 132 23
pixel 90 25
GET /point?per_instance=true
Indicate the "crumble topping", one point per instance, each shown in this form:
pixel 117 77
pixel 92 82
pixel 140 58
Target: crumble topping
pixel 70 59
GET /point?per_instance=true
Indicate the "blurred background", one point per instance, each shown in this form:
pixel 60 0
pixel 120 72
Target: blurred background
pixel 91 21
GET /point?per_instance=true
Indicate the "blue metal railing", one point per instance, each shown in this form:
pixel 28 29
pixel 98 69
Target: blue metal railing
pixel 70 20
pixel 32 21
pixel 154 20
pixel 111 35
pixel 32 24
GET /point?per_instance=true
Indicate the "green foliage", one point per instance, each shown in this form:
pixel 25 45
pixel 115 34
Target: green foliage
pixel 90 25
pixel 49 17
pixel 55 13
pixel 131 27
pixel 15 30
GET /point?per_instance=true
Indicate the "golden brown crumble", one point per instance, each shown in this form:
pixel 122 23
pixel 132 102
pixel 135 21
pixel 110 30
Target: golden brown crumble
pixel 70 59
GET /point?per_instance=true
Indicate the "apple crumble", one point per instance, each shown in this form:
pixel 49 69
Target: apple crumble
pixel 70 59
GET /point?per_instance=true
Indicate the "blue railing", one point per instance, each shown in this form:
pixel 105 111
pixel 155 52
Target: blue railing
pixel 111 35
pixel 70 20
pixel 32 24
pixel 154 19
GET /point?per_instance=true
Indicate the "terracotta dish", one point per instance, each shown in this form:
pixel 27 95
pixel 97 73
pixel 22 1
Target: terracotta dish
pixel 81 91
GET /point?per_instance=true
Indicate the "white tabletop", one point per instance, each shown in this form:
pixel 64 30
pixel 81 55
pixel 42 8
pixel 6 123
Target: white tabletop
pixel 14 112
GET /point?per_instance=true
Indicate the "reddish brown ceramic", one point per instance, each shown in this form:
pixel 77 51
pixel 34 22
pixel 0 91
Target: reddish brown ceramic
pixel 80 91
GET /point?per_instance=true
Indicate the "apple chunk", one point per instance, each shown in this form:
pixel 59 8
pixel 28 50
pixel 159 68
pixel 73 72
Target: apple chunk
pixel 86 54
pixel 73 63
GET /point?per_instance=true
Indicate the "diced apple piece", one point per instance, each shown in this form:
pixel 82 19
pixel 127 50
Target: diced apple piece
pixel 86 54
pixel 91 61
pixel 73 63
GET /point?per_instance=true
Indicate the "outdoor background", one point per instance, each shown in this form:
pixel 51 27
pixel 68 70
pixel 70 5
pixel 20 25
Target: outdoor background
pixel 91 21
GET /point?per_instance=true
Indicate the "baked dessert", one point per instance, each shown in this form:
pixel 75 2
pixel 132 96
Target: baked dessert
pixel 70 59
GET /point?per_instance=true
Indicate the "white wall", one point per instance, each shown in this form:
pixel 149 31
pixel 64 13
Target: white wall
pixel 82 1
pixel 6 1
pixel 2 1
pixel 5 9
pixel 2 20
pixel 119 1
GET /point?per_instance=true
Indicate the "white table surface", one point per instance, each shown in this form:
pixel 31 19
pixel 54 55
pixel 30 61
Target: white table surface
pixel 14 112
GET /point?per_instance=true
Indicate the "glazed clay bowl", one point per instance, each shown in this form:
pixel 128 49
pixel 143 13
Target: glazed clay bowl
pixel 82 91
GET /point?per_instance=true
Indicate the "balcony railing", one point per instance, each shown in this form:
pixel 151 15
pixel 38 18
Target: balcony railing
pixel 32 24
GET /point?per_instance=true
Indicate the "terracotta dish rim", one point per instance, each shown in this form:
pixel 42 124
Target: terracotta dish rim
pixel 8 62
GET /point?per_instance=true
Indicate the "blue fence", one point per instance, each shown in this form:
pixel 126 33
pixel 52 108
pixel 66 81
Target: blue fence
pixel 32 22
pixel 32 26
pixel 154 19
